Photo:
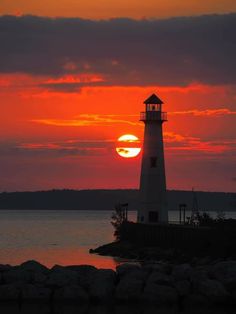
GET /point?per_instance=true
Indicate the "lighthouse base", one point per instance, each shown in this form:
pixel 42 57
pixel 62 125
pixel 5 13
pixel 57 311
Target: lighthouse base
pixel 150 213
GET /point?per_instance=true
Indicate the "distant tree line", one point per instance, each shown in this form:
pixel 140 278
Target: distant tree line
pixel 105 199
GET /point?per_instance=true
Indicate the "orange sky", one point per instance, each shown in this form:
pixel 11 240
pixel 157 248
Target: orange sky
pixel 97 9
pixel 68 140
pixel 68 91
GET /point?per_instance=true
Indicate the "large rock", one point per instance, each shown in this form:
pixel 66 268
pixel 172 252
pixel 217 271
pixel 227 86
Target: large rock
pixel 213 290
pixel 159 294
pixel 38 278
pixel 183 287
pixel 9 292
pixel 127 269
pixel 129 289
pixel 81 268
pixel 16 275
pixel 225 272
pixel 182 272
pixel 5 267
pixel 34 266
pixel 30 292
pixel 198 275
pixel 71 293
pixel 102 285
pixel 160 278
pixel 196 300
pixel 164 268
pixel 85 274
pixel 233 296
pixel 62 277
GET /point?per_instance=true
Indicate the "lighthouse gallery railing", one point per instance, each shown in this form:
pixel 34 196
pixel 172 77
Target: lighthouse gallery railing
pixel 153 116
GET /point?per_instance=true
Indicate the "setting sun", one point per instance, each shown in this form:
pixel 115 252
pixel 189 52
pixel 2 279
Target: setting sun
pixel 127 149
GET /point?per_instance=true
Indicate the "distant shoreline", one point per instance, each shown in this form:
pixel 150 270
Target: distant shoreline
pixel 107 199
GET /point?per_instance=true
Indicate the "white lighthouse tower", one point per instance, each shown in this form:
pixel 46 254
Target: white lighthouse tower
pixel 153 204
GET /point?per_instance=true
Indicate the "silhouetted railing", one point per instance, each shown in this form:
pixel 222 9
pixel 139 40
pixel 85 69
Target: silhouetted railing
pixel 153 116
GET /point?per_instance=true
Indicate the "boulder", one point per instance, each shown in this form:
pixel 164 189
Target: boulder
pixel 225 272
pixel 31 292
pixel 198 275
pixel 159 294
pixel 85 274
pixel 160 279
pixel 183 287
pixel 62 277
pixel 213 290
pixel 127 268
pixel 71 293
pixel 9 292
pixel 102 285
pixel 182 272
pixel 5 267
pixel 16 275
pixel 10 308
pixel 81 268
pixel 164 268
pixel 38 278
pixel 33 266
pixel 195 300
pixel 233 296
pixel 129 289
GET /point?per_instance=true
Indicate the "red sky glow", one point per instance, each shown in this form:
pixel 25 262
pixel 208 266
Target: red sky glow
pixel 69 88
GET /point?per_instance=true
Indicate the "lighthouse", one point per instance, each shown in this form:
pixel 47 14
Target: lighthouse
pixel 152 193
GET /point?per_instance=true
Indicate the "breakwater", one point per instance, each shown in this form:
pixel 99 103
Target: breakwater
pixel 160 284
pixel 218 240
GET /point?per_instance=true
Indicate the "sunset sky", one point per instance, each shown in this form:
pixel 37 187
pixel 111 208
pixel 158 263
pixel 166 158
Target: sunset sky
pixel 73 78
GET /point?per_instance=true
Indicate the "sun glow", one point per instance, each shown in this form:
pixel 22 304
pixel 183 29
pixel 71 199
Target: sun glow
pixel 127 149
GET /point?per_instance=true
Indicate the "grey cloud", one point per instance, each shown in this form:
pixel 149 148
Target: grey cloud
pixel 57 149
pixel 70 87
pixel 175 51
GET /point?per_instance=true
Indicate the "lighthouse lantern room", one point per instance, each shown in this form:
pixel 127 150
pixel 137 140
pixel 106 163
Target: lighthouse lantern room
pixel 152 193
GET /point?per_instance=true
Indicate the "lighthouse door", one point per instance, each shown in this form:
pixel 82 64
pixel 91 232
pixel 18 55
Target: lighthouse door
pixel 153 216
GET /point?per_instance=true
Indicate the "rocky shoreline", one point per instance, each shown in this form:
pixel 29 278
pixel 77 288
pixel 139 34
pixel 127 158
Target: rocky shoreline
pixel 159 284
pixel 131 251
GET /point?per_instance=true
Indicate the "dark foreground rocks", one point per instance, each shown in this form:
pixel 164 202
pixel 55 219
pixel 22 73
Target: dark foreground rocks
pixel 159 284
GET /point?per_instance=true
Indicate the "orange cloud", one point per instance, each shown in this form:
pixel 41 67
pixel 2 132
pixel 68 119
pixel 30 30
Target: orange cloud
pixel 178 143
pixel 207 112
pixel 87 120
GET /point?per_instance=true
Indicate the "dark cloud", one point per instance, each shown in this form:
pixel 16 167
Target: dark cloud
pixel 176 51
pixel 70 87
pixel 58 149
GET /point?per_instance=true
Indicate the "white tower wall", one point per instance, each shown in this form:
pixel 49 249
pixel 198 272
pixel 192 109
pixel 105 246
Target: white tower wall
pixel 153 203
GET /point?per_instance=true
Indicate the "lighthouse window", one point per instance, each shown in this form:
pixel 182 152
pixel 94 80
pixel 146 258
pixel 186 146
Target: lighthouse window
pixel 153 162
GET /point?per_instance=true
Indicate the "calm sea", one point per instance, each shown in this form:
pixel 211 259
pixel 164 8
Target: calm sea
pixel 58 237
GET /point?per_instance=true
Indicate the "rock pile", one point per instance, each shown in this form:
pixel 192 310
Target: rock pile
pixel 159 283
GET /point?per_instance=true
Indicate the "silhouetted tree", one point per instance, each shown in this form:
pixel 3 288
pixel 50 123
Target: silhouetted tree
pixel 117 219
pixel 220 216
pixel 204 219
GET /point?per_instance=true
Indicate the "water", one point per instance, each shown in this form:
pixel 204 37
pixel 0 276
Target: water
pixel 55 237
pixel 59 237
